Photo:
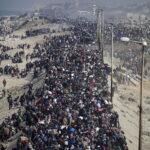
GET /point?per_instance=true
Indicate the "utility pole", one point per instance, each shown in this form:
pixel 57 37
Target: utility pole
pixel 93 14
pixel 112 50
pixel 98 29
pixel 94 8
pixel 100 32
pixel 141 99
pixel 144 44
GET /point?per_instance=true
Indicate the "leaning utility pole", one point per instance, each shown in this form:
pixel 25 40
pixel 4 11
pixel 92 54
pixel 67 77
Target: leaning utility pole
pixel 100 32
pixel 98 29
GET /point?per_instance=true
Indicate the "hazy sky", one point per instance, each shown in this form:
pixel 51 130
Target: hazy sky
pixel 23 4
pixel 35 4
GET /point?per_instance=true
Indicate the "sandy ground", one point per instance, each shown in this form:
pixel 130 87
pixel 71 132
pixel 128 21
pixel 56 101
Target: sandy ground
pixel 129 112
pixel 14 85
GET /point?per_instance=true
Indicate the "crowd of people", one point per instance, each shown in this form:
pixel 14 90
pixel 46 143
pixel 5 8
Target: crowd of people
pixel 130 58
pixel 4 48
pixel 126 30
pixel 72 109
pixel 23 46
pixel 15 59
pixel 9 70
pixel 4 56
pixel 5 29
pixel 37 32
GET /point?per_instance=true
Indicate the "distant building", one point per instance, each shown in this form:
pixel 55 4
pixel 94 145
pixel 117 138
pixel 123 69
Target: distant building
pixel 36 15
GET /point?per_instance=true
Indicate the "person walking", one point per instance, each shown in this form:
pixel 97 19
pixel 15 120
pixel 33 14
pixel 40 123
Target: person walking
pixel 4 83
pixel 10 101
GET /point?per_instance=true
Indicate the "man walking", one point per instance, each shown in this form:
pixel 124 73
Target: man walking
pixel 4 83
